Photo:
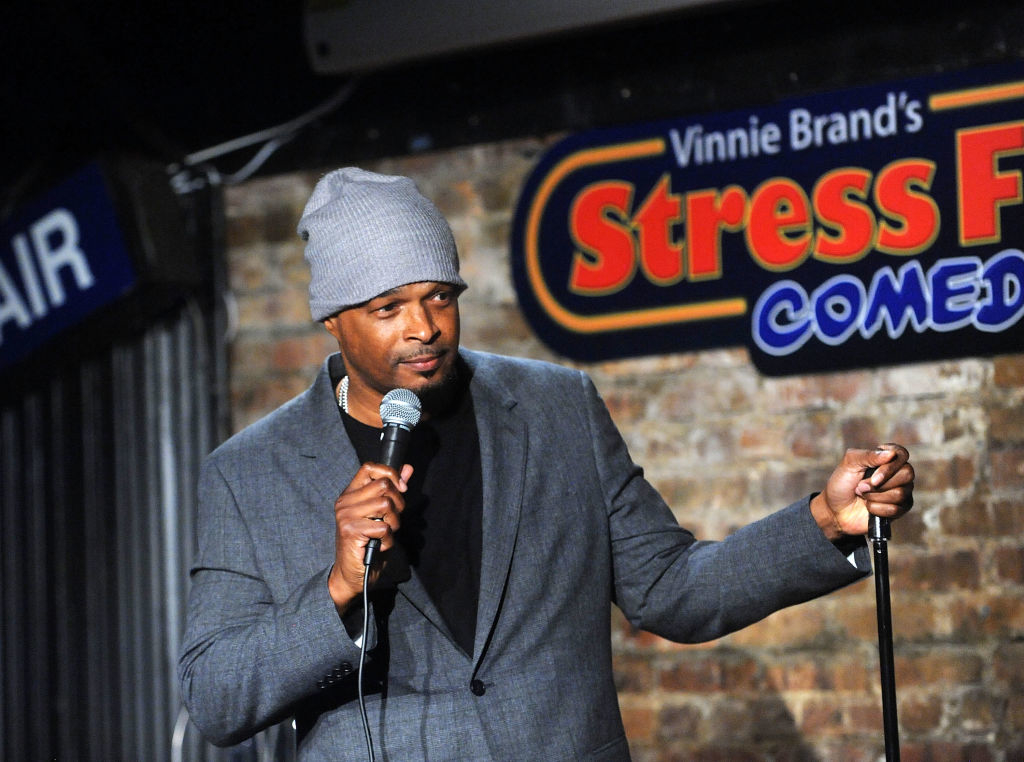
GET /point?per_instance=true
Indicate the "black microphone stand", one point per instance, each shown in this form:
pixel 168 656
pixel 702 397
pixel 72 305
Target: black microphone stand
pixel 879 534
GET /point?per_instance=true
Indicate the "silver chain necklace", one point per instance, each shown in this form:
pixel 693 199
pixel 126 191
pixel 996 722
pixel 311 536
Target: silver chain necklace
pixel 343 394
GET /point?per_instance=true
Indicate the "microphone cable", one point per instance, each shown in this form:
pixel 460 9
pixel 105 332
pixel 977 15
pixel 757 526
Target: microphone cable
pixel 399 413
pixel 362 661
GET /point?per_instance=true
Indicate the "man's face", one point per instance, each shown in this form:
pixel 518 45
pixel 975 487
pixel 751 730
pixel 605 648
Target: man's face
pixel 406 337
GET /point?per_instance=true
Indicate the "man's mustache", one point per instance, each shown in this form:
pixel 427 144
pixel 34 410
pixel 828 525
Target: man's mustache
pixel 421 354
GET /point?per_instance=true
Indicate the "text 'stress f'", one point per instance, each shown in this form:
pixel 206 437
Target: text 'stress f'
pixel 871 226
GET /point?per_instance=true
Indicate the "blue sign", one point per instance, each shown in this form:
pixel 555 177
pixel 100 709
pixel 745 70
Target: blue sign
pixel 63 257
pixel 876 225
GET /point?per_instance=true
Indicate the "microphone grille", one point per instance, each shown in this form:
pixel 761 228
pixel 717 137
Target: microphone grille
pixel 400 407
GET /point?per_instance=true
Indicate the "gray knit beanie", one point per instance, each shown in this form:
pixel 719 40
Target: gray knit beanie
pixel 366 234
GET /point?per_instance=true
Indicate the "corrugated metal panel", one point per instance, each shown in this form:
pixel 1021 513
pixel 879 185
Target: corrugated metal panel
pixel 97 497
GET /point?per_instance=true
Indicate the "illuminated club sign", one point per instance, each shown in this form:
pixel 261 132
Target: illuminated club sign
pixel 872 226
pixel 62 258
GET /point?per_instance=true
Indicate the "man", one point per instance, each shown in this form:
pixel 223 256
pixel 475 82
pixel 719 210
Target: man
pixel 518 521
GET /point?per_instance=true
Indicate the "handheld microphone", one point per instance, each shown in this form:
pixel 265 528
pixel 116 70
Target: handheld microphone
pixel 399 412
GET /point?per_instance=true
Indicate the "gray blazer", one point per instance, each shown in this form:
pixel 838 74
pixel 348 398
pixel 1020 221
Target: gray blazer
pixel 570 526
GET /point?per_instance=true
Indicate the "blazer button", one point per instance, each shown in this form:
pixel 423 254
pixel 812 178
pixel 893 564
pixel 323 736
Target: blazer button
pixel 477 687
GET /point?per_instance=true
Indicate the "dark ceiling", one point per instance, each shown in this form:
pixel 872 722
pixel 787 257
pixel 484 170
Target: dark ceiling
pixel 165 79
pixel 159 78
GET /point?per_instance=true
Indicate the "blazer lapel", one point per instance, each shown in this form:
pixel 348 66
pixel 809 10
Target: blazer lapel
pixel 331 461
pixel 321 462
pixel 503 461
pixel 503 446
pixel 321 441
pixel 411 587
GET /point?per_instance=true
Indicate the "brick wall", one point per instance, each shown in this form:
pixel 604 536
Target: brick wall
pixel 726 445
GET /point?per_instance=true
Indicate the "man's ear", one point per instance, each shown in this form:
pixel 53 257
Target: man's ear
pixel 333 326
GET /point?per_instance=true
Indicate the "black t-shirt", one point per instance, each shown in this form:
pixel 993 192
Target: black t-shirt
pixel 441 525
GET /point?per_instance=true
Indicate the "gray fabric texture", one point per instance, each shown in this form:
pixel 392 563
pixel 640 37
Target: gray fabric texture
pixel 368 233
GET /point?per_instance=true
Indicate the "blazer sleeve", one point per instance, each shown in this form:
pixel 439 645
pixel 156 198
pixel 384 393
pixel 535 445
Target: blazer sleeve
pixel 248 659
pixel 669 583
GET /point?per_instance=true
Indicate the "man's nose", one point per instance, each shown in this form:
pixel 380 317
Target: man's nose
pixel 421 325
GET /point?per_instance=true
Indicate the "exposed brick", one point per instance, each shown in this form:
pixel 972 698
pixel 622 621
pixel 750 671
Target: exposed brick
pixel 1008 371
pixel 1009 564
pixel 912 529
pixel 820 716
pixel 859 432
pixel 626 402
pixel 249 357
pixel 633 674
pixel 276 310
pixel 954 426
pixel 280 224
pixel 718 498
pixel 771 720
pixel 713 753
pixel 709 394
pixel 958 570
pixel 253 402
pixel 915 618
pixel 645 751
pixel 846 673
pixel 984 616
pixel 1008 667
pixel 249 270
pixel 680 721
pixel 804 675
pixel 1014 750
pixel 978 710
pixel 779 488
pixel 909 432
pixel 933 379
pixel 1013 722
pixel 971 517
pixel 726 445
pixel 647 641
pixel 863 715
pixel 1007 513
pixel 510 335
pixel 299 352
pixel 796 626
pixel 944 751
pixel 639 722
pixel 730 721
pixel 1007 425
pixel 807 433
pixel 918 712
pixel 855 750
pixel 711 671
pixel 816 392
pixel 957 472
pixel 1008 469
pixel 291 263
pixel 241 230
pixel 857 619
pixel 759 439
pixel 938 666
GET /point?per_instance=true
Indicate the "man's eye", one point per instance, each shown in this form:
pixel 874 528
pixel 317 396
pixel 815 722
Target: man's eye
pixel 386 308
